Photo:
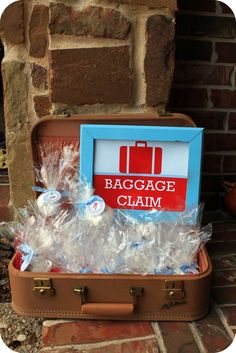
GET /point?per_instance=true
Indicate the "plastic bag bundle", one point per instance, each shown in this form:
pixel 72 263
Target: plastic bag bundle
pixel 68 229
pixel 74 244
pixel 57 170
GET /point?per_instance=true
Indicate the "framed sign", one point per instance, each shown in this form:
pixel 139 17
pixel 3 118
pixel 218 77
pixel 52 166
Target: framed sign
pixel 138 169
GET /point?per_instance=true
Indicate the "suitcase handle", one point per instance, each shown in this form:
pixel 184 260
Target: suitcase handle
pixel 107 309
pixel 141 144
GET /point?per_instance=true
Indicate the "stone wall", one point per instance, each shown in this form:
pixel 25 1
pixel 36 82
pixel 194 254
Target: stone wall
pixel 81 56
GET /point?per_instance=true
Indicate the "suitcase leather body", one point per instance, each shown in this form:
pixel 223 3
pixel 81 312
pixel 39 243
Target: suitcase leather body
pixel 119 297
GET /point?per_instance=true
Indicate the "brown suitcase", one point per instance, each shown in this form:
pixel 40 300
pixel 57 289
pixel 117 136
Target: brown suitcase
pixel 98 296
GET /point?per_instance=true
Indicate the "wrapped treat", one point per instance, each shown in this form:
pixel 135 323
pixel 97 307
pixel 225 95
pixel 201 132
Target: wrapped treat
pixel 57 170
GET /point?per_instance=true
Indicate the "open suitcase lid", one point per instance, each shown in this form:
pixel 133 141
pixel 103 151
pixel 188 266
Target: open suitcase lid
pixel 67 131
pixel 51 127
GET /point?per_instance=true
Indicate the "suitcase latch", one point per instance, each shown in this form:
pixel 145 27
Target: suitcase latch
pixel 81 291
pixel 43 287
pixel 174 290
pixel 136 291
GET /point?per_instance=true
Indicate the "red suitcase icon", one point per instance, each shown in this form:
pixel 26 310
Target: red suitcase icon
pixel 140 159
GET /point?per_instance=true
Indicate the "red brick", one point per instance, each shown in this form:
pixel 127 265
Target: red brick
pixel 142 346
pixel 200 74
pixel 178 337
pixel 193 5
pixel 210 26
pixel 232 121
pixel 223 277
pixel 93 21
pixel 222 248
pixel 211 142
pixel 212 163
pixel 38 31
pixel 213 334
pixel 225 226
pixel 226 52
pixel 39 76
pixel 210 200
pixel 12 23
pixel 83 76
pixel 224 295
pixel 212 216
pixel 223 98
pixel 159 60
pixel 225 8
pixel 42 106
pixel 219 236
pixel 229 164
pixel 208 119
pixel 188 97
pixel 210 183
pixel 170 4
pixel 230 314
pixel 80 332
pixel 220 142
pixel 223 261
pixel 187 49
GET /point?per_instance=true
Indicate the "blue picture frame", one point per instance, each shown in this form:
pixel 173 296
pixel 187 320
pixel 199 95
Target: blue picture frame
pixel 192 136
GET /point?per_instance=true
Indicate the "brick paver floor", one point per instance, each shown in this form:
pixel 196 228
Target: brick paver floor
pixel 212 334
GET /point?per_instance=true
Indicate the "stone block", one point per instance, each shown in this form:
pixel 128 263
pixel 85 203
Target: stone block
pixel 20 165
pixel 159 60
pixel 38 35
pixel 12 23
pixel 15 92
pixel 91 75
pixel 158 4
pixel 42 106
pixel 39 76
pixel 93 21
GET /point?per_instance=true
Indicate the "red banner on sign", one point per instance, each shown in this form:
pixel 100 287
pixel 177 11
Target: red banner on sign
pixel 142 192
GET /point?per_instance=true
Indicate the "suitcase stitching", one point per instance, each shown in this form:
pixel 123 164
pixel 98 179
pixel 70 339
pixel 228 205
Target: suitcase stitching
pixel 68 313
